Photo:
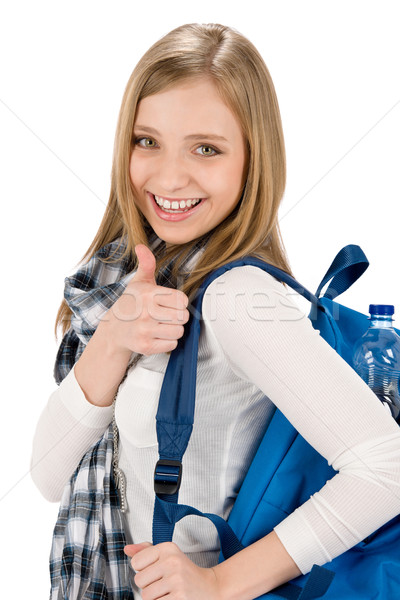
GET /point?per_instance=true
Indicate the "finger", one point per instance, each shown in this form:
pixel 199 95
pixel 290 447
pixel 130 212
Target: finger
pixel 149 575
pixel 145 557
pixel 160 347
pixel 167 332
pixel 170 298
pixel 132 549
pixel 172 316
pixel 159 587
pixel 146 264
pixel 157 297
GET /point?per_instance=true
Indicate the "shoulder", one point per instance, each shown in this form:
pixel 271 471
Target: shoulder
pixel 244 276
pixel 257 321
pixel 251 293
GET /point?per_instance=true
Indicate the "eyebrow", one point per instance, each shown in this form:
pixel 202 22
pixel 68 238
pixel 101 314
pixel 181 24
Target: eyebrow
pixel 193 136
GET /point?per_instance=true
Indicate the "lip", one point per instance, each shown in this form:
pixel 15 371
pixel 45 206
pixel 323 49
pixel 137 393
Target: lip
pixel 171 216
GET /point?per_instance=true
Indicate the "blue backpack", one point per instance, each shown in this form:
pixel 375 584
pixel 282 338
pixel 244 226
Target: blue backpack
pixel 286 470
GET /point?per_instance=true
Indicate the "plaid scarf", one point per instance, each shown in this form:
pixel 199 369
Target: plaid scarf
pixel 87 561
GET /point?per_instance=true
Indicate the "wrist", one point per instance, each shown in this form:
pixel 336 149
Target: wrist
pixel 226 589
pixel 105 337
pixel 255 570
pixel 222 590
pixel 100 369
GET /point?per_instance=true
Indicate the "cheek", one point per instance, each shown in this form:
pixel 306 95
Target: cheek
pixel 137 169
pixel 222 176
pixel 229 182
pixel 234 168
pixel 132 169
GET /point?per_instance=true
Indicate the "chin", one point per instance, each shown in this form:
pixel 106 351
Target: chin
pixel 175 239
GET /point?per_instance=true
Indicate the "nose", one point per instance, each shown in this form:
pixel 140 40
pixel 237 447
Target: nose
pixel 173 173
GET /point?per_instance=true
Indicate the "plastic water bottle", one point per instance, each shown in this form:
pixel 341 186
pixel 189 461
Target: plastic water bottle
pixel 376 357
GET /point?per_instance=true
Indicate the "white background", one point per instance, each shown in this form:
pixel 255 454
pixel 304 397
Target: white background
pixel 63 69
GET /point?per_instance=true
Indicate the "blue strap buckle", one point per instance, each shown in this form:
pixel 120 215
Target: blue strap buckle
pixel 167 476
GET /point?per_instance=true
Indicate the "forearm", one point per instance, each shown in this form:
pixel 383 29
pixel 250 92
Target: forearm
pixel 101 367
pixel 256 570
pixel 67 427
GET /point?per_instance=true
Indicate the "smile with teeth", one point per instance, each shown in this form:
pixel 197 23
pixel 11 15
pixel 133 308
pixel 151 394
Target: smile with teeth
pixel 176 206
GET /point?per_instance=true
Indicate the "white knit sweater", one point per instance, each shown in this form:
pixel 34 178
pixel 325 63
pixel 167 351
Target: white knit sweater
pixel 257 350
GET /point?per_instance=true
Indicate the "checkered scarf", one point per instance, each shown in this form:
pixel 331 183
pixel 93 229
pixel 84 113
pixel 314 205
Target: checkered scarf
pixel 87 561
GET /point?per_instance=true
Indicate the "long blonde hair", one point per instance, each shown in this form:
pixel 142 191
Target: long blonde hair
pixel 243 80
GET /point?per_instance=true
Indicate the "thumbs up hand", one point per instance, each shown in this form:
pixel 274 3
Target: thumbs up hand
pixel 147 318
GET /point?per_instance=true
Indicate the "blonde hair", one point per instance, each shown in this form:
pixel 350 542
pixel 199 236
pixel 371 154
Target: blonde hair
pixel 243 80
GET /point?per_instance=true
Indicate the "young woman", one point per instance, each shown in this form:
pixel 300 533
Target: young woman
pixel 197 179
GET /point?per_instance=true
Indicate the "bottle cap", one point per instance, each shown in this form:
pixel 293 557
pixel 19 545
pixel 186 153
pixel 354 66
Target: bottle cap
pixel 381 309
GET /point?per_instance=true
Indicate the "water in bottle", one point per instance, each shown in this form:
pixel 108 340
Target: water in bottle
pixel 376 357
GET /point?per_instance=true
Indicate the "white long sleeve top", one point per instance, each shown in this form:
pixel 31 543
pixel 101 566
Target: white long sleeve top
pixel 257 351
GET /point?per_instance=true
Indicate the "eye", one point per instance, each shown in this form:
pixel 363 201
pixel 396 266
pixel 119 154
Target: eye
pixel 147 142
pixel 206 150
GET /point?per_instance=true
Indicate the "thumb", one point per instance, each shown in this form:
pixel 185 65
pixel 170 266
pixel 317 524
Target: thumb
pixel 146 264
pixel 132 549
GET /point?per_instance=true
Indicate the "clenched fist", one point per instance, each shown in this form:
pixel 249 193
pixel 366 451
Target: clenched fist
pixel 147 318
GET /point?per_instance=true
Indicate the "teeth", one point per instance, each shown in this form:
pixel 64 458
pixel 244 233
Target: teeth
pixel 176 204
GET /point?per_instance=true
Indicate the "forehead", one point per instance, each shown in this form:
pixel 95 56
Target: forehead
pixel 187 106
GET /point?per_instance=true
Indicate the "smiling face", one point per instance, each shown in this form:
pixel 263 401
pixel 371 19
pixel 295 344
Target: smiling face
pixel 189 161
